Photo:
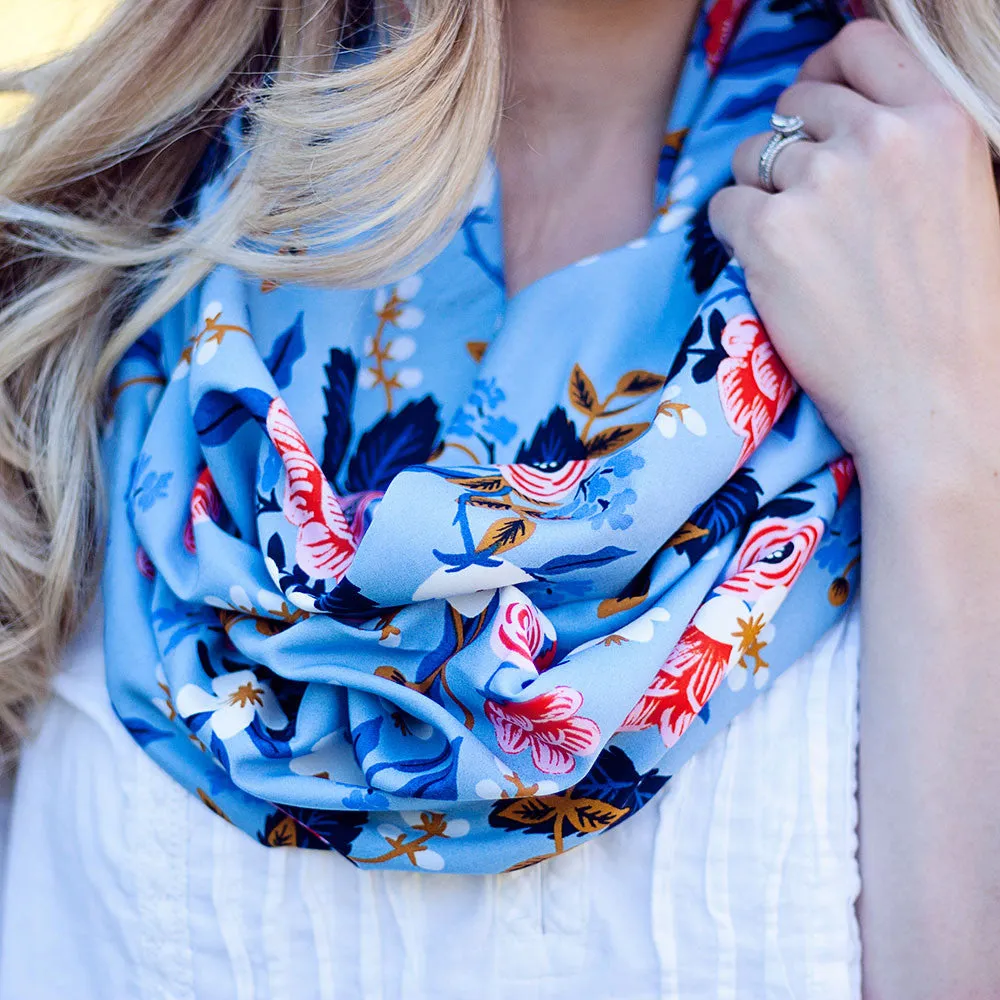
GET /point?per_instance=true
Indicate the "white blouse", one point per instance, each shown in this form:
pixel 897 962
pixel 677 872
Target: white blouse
pixel 737 883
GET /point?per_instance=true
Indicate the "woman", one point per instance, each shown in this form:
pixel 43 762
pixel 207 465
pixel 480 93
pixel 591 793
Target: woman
pixel 377 583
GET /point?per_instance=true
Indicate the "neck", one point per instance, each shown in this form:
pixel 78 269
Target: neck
pixel 590 87
pixel 595 61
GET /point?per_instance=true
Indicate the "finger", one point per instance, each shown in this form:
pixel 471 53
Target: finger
pixel 789 166
pixel 731 213
pixel 828 109
pixel 873 59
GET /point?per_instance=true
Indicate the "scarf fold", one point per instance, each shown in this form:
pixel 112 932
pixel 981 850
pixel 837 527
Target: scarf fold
pixel 443 580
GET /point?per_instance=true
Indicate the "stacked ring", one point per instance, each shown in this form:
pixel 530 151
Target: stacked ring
pixel 788 129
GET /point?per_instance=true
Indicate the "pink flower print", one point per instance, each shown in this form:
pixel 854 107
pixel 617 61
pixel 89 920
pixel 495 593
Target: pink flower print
pixel 144 564
pixel 520 632
pixel 544 485
pixel 325 546
pixel 754 385
pixel 549 726
pixel 206 505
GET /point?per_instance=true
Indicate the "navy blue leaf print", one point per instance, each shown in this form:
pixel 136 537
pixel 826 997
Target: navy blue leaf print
pixel 555 443
pixel 287 349
pixel 739 107
pixel 690 339
pixel 396 442
pixel 615 780
pixel 706 257
pixel 346 603
pixel 785 425
pixel 143 733
pixel 319 829
pixel 785 506
pixel 276 551
pixel 727 509
pixel 341 378
pixel 712 357
pixel 824 10
pixel 567 564
pixel 219 415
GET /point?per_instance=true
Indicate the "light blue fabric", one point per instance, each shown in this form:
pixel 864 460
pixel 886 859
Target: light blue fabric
pixel 445 580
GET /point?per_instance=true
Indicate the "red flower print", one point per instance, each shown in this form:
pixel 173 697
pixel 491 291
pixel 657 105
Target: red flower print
pixel 548 725
pixel 754 385
pixel 325 545
pixel 723 18
pixel 206 505
pixel 520 631
pixel 728 627
pixel 547 486
pixel 773 554
pixel 690 676
pixel 843 475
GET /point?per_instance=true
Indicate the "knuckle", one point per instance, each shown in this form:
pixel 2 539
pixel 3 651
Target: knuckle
pixel 884 130
pixel 863 31
pixel 947 121
pixel 825 169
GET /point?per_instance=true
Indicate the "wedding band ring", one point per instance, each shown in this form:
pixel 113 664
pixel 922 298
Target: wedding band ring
pixel 787 129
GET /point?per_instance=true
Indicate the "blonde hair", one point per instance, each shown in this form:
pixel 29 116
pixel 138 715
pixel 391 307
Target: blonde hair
pixel 384 153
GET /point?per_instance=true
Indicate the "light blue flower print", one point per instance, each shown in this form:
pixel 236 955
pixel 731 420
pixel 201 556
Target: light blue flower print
pixel 146 487
pixel 614 512
pixel 473 420
pixel 486 394
pixel 624 463
pixel 500 429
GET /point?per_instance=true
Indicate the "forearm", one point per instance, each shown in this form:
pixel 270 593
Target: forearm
pixel 930 737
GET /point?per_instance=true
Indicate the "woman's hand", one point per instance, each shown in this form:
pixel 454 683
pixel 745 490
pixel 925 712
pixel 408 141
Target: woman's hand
pixel 876 268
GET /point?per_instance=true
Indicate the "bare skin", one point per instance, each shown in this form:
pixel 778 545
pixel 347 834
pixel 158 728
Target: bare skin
pixel 877 271
pixel 591 85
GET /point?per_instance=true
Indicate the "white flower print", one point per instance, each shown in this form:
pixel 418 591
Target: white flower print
pixel 671 414
pixel 394 309
pixel 324 758
pixel 427 826
pixel 679 208
pixel 235 701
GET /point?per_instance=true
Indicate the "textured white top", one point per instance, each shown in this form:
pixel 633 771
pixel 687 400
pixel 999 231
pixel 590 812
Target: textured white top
pixel 739 881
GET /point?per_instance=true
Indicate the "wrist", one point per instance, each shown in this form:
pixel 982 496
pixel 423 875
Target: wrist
pixel 936 472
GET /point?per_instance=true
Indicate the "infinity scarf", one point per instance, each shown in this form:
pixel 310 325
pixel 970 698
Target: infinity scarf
pixel 445 580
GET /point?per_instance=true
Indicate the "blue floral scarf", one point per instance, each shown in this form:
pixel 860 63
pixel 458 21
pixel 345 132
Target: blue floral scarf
pixel 445 580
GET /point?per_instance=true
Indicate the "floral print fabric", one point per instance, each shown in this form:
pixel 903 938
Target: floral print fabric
pixel 448 581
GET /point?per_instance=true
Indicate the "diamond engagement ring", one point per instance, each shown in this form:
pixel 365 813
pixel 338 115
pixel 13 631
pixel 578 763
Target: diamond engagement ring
pixel 787 129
